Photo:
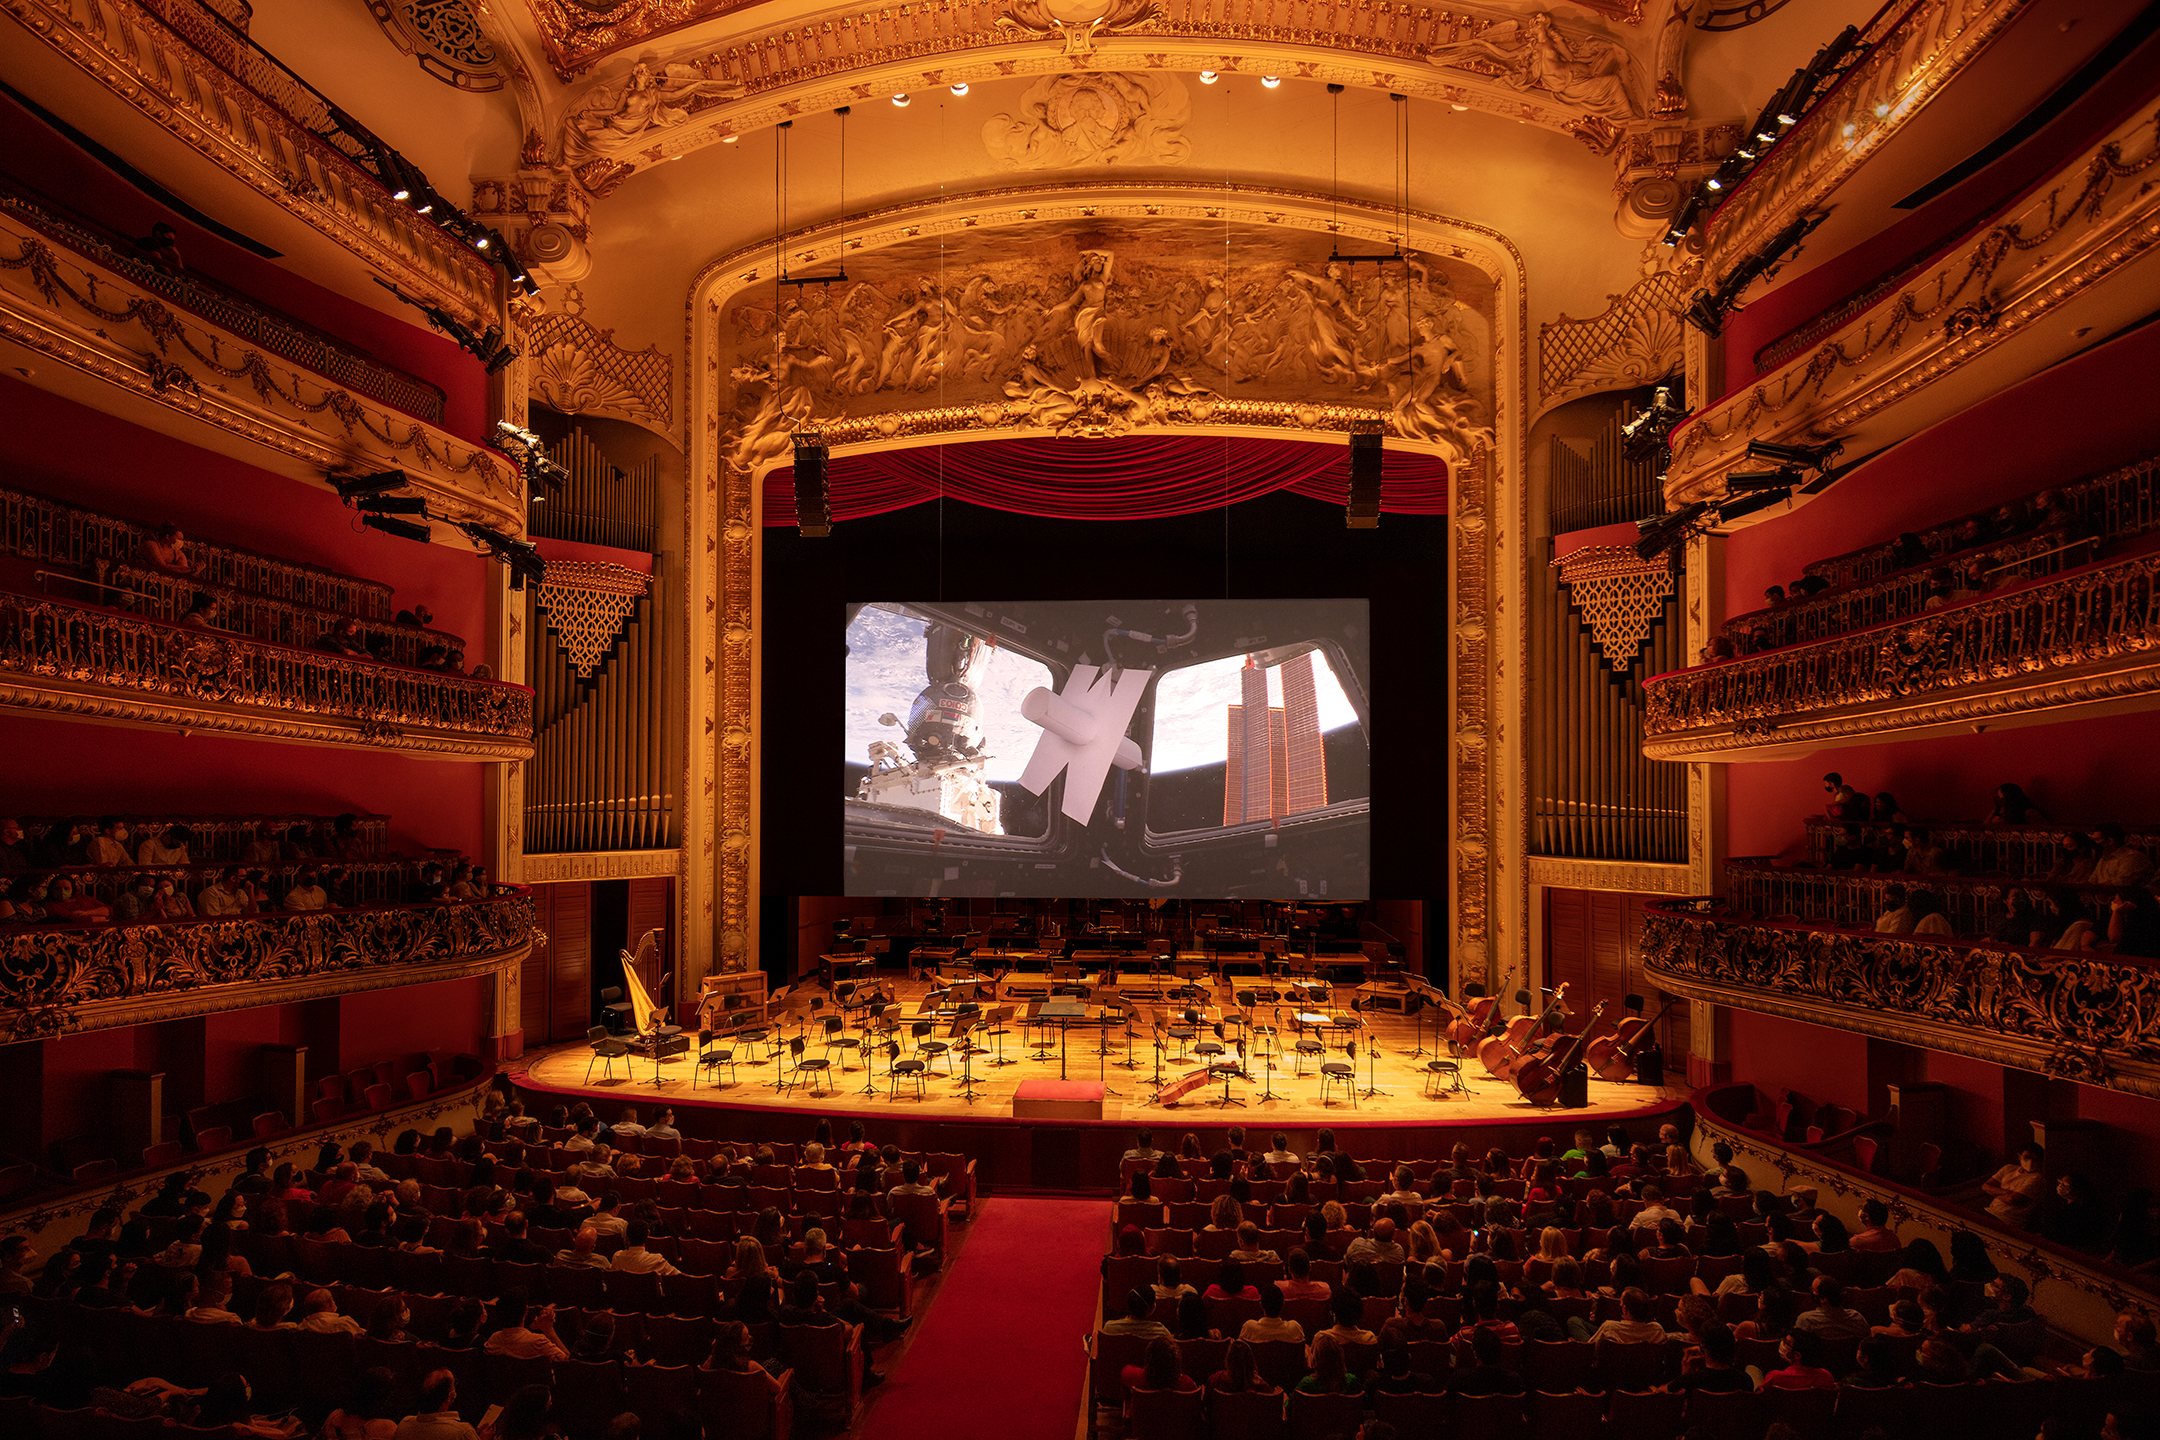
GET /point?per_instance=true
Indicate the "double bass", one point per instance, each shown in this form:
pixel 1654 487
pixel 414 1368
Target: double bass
pixel 1464 1033
pixel 1538 1078
pixel 1612 1057
pixel 1504 1051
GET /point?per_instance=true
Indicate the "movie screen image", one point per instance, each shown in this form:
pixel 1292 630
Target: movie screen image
pixel 1206 749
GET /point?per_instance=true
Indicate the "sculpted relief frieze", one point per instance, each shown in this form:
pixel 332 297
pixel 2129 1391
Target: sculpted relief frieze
pixel 1098 329
pixel 1091 119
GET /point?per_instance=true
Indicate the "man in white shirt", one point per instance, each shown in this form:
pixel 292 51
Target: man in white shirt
pixel 1378 1247
pixel 582 1251
pixel 1249 1251
pixel 595 1165
pixel 1143 1147
pixel 1654 1209
pixel 1830 1319
pixel 322 1315
pixel 604 1219
pixel 1271 1325
pixel 1279 1152
pixel 2016 1189
pixel 628 1125
pixel 911 1181
pixel 1405 1193
pixel 635 1258
pixel 306 895
pixel 515 1339
pixel 581 1139
pixel 222 895
pixel 438 1418
pixel 663 1127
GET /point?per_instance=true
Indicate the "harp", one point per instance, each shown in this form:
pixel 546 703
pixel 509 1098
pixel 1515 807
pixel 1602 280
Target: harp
pixel 646 1014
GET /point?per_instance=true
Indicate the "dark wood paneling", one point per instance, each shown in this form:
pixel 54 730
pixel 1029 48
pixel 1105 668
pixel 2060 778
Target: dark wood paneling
pixel 1593 940
pixel 570 962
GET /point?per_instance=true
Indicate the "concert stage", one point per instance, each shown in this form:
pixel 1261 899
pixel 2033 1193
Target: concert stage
pixel 1399 1120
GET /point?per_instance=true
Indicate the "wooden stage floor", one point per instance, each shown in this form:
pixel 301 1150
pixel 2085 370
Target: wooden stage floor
pixel 1395 1070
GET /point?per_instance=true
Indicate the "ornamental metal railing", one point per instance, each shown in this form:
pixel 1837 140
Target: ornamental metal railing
pixel 158 596
pixel 2083 1015
pixel 50 974
pixel 2039 634
pixel 224 839
pixel 37 527
pixel 385 880
pixel 1975 905
pixel 91 645
pixel 2024 853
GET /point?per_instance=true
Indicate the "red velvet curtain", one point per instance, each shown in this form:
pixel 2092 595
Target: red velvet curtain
pixel 1142 477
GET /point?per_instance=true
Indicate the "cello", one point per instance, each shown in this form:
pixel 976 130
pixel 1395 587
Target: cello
pixel 1505 1050
pixel 1612 1057
pixel 1538 1078
pixel 1464 1033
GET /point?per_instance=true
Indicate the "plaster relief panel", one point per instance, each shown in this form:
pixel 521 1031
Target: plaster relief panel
pixel 1090 119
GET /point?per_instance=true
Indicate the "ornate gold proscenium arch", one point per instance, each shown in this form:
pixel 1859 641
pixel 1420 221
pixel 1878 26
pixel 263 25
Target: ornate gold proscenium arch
pixel 1109 309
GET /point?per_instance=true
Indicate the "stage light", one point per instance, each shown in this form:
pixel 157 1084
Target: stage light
pixel 729 139
pixel 813 494
pixel 1362 511
pixel 1749 504
pixel 1644 436
pixel 1458 107
pixel 393 505
pixel 1714 183
pixel 1271 81
pixel 960 89
pixel 1656 534
pixel 403 529
pixel 401 193
pixel 1209 77
pixel 350 487
pixel 902 100
pixel 1783 478
pixel 1807 457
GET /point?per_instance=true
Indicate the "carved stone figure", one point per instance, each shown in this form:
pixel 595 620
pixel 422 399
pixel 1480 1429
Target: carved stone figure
pixel 1532 54
pixel 1080 22
pixel 653 97
pixel 1090 119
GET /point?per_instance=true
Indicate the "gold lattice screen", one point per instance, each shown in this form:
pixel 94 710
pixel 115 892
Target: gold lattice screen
pixel 586 603
pixel 1620 594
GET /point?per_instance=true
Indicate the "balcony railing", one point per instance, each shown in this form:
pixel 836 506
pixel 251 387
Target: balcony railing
pixel 1912 52
pixel 59 979
pixel 1871 382
pixel 1973 904
pixel 382 880
pixel 158 596
pixel 2079 1015
pixel 83 658
pixel 230 310
pixel 223 839
pixel 2086 637
pixel 210 87
pixel 2024 853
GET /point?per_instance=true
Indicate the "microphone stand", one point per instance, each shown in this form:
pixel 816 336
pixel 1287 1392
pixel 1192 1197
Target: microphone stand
pixel 1372 1068
pixel 967 1062
pixel 1419 1020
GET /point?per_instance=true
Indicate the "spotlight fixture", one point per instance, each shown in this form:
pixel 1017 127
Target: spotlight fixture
pixel 481 243
pixel 1657 534
pixel 1271 81
pixel 960 89
pixel 902 100
pixel 1458 107
pixel 1645 435
pixel 401 193
pixel 522 556
pixel 543 477
pixel 352 487
pixel 729 139
pixel 813 492
pixel 1209 77
pixel 1362 510
pixel 1749 503
pixel 403 529
pixel 1806 457
pixel 393 505
pixel 489 348
pixel 1782 478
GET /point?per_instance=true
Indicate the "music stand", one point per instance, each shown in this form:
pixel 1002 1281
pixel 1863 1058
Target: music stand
pixel 1228 1072
pixel 997 1019
pixel 1063 1013
pixel 958 1036
pixel 1372 1067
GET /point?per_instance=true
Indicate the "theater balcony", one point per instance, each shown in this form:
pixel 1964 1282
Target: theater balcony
pixel 2064 262
pixel 2077 1015
pixel 2077 644
pixel 63 979
pixel 91 320
pixel 93 662
pixel 181 93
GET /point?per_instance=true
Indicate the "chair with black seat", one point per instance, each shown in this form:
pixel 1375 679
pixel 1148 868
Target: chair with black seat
pixel 615 1012
pixel 743 1037
pixel 901 1071
pixel 1183 1031
pixel 712 1057
pixel 1209 1051
pixel 810 1072
pixel 1339 1072
pixel 1309 1047
pixel 605 1047
pixel 927 1049
pixel 837 1038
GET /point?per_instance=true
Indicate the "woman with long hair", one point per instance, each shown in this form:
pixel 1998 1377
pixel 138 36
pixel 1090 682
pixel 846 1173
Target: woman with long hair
pixel 1329 1377
pixel 1240 1374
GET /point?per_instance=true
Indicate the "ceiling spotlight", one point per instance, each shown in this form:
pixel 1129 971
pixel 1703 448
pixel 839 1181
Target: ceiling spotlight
pixel 1714 183
pixel 401 193
pixel 1209 77
pixel 481 243
pixel 427 209
pixel 960 89
pixel 1271 81
pixel 901 100
pixel 729 139
pixel 1458 107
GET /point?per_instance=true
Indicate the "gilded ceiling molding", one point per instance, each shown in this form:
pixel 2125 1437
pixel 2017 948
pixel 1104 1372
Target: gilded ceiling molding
pixel 150 63
pixel 2093 220
pixel 662 109
pixel 2072 1015
pixel 2095 1294
pixel 1917 52
pixel 445 37
pixel 178 372
pixel 69 979
pixel 1030 338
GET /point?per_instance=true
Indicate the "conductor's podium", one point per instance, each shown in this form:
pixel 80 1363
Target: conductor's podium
pixel 1058 1100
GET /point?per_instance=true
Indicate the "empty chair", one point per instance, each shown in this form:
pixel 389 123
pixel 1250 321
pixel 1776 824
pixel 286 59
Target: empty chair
pixel 811 1072
pixel 604 1048
pixel 711 1056
pixel 1343 1073
pixel 901 1071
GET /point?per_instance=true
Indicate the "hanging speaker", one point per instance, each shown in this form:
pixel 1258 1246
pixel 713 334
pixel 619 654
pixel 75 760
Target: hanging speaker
pixel 813 496
pixel 1363 511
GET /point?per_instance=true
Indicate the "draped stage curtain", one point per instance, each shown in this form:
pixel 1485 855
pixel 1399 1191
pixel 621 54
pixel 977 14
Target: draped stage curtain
pixel 1141 477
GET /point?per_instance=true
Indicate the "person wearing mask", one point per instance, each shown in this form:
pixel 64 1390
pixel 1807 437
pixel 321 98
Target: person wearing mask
pixel 2016 1189
pixel 110 845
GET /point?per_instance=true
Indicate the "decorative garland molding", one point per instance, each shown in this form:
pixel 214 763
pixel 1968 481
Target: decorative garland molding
pixel 1487 503
pixel 1954 314
pixel 599 865
pixel 134 356
pixel 178 64
pixel 1625 877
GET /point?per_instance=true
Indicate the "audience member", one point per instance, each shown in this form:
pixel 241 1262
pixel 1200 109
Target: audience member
pixel 2016 1189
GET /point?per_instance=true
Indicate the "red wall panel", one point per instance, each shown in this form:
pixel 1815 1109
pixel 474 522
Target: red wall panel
pixel 389 1024
pixel 1777 1054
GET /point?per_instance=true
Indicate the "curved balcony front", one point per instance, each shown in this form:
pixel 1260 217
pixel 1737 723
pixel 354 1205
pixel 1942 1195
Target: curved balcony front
pixel 94 663
pixel 60 979
pixel 2069 646
pixel 2077 1015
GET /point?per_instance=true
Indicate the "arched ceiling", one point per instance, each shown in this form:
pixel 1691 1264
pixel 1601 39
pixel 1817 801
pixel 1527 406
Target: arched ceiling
pixel 643 131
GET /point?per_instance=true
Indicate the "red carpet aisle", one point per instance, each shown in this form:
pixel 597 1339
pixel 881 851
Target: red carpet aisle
pixel 998 1357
